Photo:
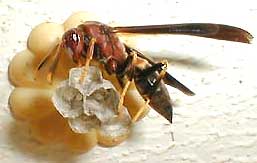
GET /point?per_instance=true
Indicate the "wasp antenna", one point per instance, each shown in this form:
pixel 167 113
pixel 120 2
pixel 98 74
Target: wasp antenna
pixel 46 58
pixel 54 63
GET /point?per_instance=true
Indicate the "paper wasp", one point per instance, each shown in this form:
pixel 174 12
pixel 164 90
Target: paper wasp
pixel 97 41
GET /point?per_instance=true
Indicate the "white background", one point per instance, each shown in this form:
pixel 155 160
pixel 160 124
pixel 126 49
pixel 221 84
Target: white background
pixel 216 125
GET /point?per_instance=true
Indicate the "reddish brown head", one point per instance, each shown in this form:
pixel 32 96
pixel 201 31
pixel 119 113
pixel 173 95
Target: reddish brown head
pixel 73 43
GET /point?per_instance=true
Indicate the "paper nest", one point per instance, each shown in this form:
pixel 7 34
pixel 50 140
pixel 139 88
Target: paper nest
pixel 90 105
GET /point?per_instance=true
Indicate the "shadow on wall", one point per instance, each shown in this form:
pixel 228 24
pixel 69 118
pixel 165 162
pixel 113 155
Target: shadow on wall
pixel 175 58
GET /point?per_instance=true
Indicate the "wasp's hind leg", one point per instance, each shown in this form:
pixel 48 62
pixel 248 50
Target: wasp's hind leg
pixel 122 95
pixel 141 110
pixel 128 72
pixel 89 56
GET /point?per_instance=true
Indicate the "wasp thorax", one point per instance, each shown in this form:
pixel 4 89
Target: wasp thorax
pixel 73 43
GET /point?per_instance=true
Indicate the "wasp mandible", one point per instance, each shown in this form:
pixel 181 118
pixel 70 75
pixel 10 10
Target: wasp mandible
pixel 96 41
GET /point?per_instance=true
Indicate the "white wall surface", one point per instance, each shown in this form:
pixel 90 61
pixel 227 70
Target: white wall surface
pixel 216 125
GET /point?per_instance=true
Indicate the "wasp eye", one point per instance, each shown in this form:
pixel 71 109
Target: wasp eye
pixel 75 37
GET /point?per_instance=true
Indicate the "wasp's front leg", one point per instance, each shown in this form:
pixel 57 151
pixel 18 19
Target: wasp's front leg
pixel 89 56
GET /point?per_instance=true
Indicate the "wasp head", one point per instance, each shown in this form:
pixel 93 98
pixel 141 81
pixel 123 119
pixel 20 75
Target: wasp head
pixel 73 43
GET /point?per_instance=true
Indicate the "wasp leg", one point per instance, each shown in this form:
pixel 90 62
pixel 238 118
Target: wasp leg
pixel 53 65
pixel 164 66
pixel 89 56
pixel 127 70
pixel 46 58
pixel 140 111
pixel 122 95
pixel 80 63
